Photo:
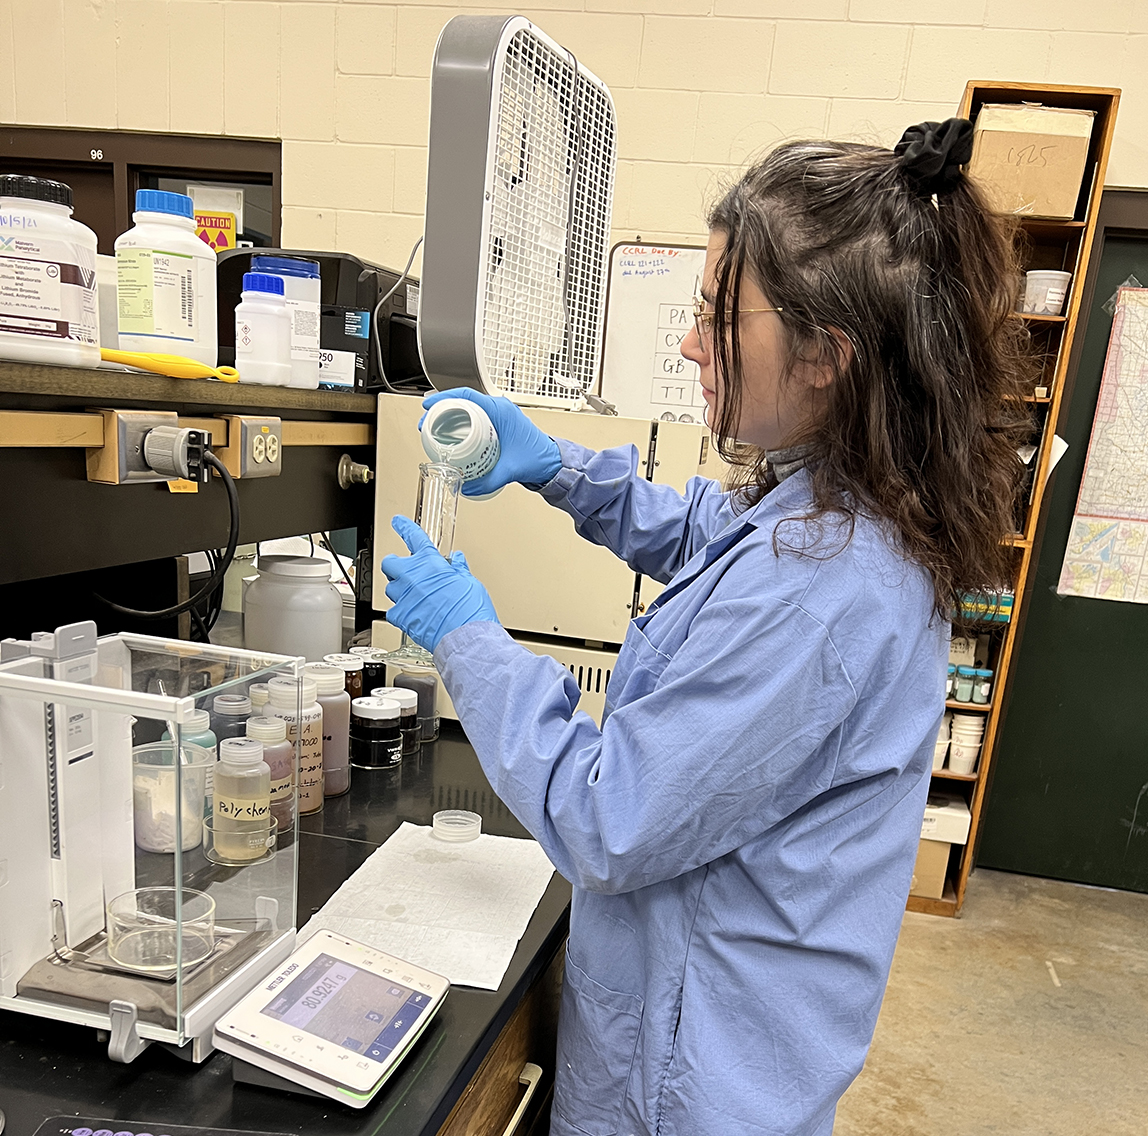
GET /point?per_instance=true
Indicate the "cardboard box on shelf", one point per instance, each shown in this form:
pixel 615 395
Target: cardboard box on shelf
pixel 1030 158
pixel 929 870
pixel 947 818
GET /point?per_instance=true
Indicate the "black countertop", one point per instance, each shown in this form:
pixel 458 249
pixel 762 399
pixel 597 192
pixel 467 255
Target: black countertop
pixel 48 1068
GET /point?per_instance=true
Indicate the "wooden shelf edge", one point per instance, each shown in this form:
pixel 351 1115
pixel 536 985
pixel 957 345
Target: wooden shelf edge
pixel 924 905
pixel 949 775
pixel 983 707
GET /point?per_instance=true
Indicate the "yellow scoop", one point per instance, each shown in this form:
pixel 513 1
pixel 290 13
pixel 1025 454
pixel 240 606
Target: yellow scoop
pixel 174 366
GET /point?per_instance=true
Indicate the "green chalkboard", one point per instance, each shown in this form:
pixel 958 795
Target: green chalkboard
pixel 1069 796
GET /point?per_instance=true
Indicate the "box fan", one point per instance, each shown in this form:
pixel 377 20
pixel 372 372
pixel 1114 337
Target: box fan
pixel 519 191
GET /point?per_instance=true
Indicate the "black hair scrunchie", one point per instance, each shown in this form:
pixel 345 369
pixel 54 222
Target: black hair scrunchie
pixel 932 154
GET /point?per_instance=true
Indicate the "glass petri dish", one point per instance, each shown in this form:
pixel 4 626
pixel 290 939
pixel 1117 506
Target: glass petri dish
pixel 148 927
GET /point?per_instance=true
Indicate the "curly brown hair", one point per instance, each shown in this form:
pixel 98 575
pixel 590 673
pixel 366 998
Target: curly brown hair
pixel 921 425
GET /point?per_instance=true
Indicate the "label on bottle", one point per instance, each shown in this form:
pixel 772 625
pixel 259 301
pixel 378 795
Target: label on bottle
pixel 282 788
pixel 47 287
pixel 985 688
pixel 156 293
pixel 304 329
pixel 242 808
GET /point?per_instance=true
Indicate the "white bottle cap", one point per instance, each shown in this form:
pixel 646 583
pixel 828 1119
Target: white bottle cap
pixel 284 691
pixel 385 709
pixel 241 751
pixel 408 699
pixel 258 694
pixel 330 678
pixel 371 653
pixel 456 826
pixel 460 433
pixel 197 722
pixel 267 729
pixel 233 705
pixel 347 662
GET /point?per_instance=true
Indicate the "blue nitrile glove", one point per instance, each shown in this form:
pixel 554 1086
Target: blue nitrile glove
pixel 525 453
pixel 431 596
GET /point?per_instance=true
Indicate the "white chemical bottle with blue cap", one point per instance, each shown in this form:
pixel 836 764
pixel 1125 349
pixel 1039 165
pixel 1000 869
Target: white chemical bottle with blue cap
pixel 165 281
pixel 459 433
pixel 263 331
pixel 301 292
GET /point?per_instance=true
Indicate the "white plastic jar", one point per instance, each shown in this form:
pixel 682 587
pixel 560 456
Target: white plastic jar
pixel 263 332
pixel 293 608
pixel 49 311
pixel 301 293
pixel 165 280
pixel 459 433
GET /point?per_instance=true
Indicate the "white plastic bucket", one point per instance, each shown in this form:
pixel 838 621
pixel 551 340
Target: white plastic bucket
pixel 1045 292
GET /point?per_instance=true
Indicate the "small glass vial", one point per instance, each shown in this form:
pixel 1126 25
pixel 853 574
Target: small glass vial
pixel 352 672
pixel 241 824
pixel 424 682
pixel 279 754
pixel 950 682
pixel 307 730
pixel 374 666
pixel 258 693
pixel 376 741
pixel 336 704
pixel 409 728
pixel 963 687
pixel 982 687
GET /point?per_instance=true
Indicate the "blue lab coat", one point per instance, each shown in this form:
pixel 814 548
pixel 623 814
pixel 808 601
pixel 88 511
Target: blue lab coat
pixel 741 831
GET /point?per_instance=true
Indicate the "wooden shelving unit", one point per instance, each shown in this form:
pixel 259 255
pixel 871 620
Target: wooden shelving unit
pixel 1063 245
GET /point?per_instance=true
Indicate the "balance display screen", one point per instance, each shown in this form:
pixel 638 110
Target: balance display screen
pixel 348 1006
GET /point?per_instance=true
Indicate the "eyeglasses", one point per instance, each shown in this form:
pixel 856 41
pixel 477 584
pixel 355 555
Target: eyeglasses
pixel 704 320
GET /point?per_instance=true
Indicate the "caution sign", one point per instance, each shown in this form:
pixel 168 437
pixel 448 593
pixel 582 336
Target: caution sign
pixel 216 229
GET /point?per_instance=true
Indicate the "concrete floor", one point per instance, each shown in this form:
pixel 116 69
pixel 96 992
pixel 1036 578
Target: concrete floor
pixel 1027 1016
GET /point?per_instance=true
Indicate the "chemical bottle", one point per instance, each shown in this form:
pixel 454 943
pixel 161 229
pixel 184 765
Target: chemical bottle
pixel 197 730
pixel 229 712
pixel 165 280
pixel 241 824
pixel 279 754
pixel 301 293
pixel 459 433
pixel 306 730
pixel 409 727
pixel 263 332
pixel 257 692
pixel 336 705
pixel 48 304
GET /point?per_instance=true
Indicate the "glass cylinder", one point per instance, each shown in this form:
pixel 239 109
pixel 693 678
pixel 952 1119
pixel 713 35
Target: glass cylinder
pixel 436 511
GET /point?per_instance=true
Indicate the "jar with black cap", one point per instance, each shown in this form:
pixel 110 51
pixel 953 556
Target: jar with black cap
pixel 49 311
pixel 376 741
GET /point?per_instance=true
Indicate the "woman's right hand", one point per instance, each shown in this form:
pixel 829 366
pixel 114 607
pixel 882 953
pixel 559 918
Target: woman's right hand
pixel 525 453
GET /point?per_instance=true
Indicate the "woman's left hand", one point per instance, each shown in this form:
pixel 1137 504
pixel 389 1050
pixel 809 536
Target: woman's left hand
pixel 431 596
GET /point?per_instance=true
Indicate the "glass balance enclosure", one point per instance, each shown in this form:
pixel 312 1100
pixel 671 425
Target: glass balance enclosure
pixel 133 898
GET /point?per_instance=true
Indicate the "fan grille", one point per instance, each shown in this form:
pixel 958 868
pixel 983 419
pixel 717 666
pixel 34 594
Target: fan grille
pixel 551 193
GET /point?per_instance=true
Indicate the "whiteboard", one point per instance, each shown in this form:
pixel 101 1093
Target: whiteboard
pixel 649 311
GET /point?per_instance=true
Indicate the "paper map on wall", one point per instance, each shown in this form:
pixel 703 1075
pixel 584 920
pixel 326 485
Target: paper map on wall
pixel 1107 553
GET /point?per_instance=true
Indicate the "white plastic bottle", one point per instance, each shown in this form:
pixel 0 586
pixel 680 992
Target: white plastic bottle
pixel 263 332
pixel 165 280
pixel 307 731
pixel 301 292
pixel 241 824
pixel 48 305
pixel 459 433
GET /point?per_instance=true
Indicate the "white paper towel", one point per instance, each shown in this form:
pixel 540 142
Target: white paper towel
pixel 455 909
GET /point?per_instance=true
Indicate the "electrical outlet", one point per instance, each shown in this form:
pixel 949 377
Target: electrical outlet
pixel 121 458
pixel 254 446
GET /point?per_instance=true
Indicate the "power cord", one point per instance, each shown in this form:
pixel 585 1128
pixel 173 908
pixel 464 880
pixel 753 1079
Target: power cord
pixel 375 318
pixel 326 542
pixel 215 580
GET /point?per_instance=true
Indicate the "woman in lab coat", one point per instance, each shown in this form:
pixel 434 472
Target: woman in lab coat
pixel 741 830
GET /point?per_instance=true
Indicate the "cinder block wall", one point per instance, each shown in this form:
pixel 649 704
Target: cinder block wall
pixel 700 85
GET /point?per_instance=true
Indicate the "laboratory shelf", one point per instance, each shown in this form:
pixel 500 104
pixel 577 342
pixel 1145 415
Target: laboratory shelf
pixel 1037 318
pixel 984 707
pixel 949 775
